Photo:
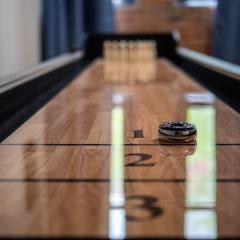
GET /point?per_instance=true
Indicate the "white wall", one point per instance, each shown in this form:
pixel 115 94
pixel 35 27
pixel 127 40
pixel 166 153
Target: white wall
pixel 19 35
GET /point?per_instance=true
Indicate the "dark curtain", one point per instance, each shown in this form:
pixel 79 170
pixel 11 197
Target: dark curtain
pixel 65 23
pixel 227 31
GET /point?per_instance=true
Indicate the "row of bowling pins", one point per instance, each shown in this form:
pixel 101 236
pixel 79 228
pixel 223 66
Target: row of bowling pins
pixel 130 61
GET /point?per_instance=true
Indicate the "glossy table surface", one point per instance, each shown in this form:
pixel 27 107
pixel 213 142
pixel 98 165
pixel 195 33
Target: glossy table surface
pixel 89 163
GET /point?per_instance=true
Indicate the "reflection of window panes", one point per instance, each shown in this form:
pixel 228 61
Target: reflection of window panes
pixel 200 224
pixel 200 220
pixel 117 220
pixel 201 167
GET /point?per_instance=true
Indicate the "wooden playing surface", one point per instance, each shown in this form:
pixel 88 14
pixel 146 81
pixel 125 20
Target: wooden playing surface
pixel 56 169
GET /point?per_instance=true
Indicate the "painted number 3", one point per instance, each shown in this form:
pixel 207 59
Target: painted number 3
pixel 146 205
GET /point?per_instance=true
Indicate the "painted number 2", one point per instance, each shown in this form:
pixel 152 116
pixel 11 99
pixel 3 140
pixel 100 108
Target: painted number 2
pixel 141 162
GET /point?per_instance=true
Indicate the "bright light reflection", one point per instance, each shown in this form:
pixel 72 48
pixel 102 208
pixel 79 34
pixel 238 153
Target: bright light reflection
pixel 117 158
pixel 117 224
pixel 200 216
pixel 200 224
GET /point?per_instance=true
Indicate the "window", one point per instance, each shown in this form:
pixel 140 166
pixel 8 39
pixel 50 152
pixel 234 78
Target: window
pixel 191 3
pixel 199 3
pixel 122 2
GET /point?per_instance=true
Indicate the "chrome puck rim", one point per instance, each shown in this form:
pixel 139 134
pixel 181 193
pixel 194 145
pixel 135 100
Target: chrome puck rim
pixel 177 129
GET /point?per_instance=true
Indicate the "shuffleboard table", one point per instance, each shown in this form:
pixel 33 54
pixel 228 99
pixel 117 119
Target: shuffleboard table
pixel 80 157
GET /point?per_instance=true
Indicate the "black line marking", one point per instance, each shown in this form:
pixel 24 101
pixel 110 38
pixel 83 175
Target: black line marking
pixel 51 237
pixel 97 237
pixel 102 237
pixel 103 180
pixel 62 180
pixel 201 208
pixel 107 144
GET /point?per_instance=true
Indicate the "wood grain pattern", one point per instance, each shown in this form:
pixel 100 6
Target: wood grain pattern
pixel 81 114
pixel 60 163
pixel 55 169
pixel 82 210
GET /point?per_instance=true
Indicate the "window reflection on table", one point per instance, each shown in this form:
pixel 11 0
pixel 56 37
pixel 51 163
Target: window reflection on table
pixel 117 220
pixel 200 197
